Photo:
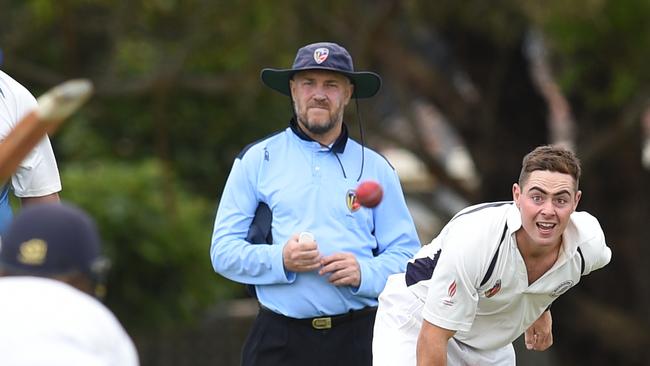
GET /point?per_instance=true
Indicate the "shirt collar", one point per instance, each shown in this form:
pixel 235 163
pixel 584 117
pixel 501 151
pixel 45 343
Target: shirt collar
pixel 513 218
pixel 570 237
pixel 337 147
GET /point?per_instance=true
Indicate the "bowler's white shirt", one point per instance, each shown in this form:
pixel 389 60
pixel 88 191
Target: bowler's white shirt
pixel 47 322
pixel 454 298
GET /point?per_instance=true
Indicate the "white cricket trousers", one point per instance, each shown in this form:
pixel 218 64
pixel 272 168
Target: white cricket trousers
pixel 397 326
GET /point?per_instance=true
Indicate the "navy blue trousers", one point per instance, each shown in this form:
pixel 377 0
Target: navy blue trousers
pixel 276 340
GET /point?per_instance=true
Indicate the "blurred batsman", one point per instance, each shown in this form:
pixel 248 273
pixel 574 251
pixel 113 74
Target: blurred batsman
pixel 36 179
pixel 50 265
pixel 329 257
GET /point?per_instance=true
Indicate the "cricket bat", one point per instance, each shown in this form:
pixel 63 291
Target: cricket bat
pixel 54 107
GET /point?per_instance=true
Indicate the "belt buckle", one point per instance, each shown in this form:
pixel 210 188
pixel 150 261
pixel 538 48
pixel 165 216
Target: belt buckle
pixel 321 323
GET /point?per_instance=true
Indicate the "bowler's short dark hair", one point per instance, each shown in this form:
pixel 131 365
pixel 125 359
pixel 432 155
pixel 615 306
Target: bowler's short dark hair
pixel 551 158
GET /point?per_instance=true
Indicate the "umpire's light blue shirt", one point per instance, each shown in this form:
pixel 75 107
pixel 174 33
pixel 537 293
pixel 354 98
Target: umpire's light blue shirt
pixel 307 187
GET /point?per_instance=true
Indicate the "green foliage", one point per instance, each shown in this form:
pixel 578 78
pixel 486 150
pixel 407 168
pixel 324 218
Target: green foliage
pixel 500 21
pixel 157 237
pixel 599 48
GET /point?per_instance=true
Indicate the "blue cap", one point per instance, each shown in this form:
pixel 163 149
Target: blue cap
pixel 323 56
pixel 51 239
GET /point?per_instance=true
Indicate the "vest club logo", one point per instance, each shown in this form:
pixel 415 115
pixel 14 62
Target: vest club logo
pixel 493 291
pixel 562 288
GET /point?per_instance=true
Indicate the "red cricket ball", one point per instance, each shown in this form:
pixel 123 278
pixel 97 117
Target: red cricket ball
pixel 369 193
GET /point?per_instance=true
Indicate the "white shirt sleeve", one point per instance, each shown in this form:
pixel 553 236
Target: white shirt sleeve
pixel 595 250
pixel 38 174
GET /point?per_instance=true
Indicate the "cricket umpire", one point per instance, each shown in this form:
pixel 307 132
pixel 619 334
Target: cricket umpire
pixel 317 298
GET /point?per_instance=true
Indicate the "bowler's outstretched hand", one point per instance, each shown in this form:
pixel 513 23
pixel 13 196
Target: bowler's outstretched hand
pixel 539 337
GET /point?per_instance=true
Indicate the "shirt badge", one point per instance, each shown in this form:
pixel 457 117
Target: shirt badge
pixel 320 55
pixel 451 291
pixel 351 200
pixel 493 291
pixel 562 288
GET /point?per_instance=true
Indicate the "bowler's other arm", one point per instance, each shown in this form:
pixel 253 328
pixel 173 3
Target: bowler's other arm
pixel 432 345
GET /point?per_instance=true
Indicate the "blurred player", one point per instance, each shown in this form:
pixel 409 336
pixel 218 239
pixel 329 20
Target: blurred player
pixel 50 264
pixel 494 269
pixel 37 177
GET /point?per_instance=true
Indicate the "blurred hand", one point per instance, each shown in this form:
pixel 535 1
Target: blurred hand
pixel 539 336
pixel 299 257
pixel 343 269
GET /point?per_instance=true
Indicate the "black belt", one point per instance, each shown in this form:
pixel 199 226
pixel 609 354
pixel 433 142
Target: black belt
pixel 324 322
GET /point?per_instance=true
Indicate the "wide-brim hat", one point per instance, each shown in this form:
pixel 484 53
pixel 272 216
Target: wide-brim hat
pixel 323 56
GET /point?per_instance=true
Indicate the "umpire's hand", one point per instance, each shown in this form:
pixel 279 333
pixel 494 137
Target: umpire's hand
pixel 343 268
pixel 300 257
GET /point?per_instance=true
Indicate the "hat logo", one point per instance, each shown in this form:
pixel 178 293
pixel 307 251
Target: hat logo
pixel 320 55
pixel 32 252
